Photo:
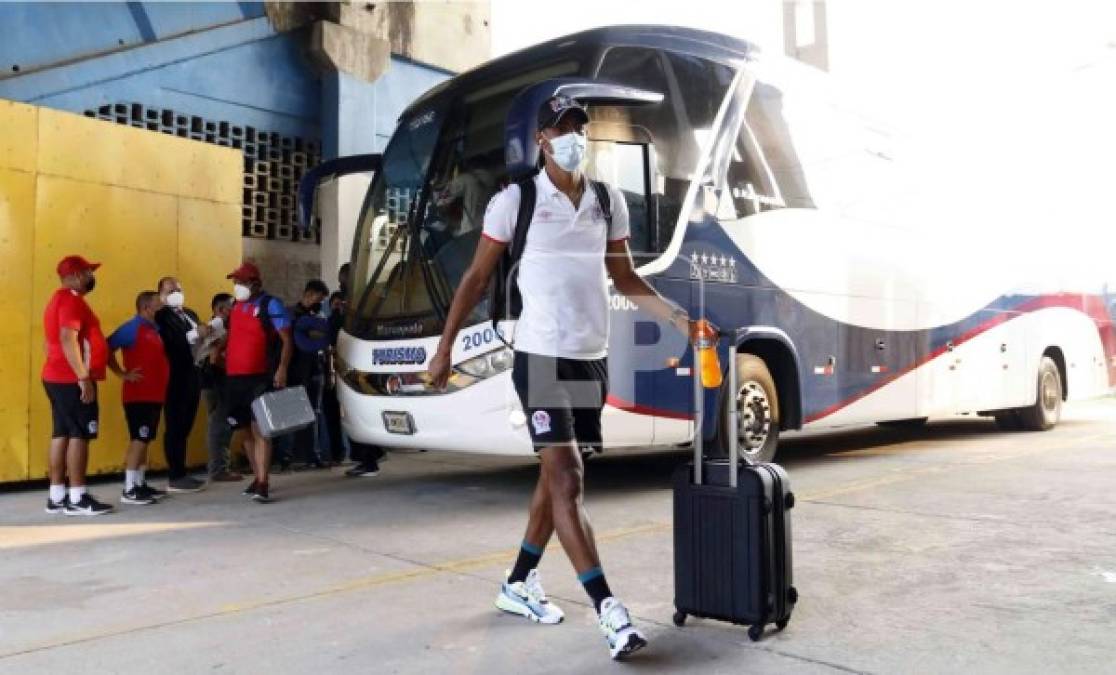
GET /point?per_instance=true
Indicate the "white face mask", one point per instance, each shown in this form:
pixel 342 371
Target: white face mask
pixel 569 150
pixel 217 323
pixel 175 299
pixel 241 292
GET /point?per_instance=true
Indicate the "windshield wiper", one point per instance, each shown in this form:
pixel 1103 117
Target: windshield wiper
pixel 363 323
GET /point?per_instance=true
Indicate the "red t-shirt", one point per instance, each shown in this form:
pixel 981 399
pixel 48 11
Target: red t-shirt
pixel 68 309
pixel 139 341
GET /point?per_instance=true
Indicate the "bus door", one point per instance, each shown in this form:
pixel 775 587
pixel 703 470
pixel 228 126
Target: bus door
pixel 620 155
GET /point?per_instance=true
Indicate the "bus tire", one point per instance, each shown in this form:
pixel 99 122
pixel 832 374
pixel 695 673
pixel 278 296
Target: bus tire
pixel 757 400
pixel 1047 409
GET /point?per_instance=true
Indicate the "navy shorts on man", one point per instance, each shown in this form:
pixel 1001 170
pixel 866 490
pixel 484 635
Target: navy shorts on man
pixel 240 392
pixel 143 420
pixel 562 398
pixel 71 417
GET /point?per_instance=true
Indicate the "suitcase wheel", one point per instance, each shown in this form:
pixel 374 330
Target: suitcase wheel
pixel 679 619
pixel 755 633
pixel 792 595
pixel 780 625
pixel 788 501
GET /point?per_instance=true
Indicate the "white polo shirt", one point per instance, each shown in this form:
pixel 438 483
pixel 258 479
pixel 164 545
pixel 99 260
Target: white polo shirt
pixel 562 276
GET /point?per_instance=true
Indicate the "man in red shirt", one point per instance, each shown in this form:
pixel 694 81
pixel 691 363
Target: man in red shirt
pixel 75 361
pixel 145 374
pixel 257 323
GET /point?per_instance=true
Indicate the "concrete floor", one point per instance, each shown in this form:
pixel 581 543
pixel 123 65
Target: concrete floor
pixel 952 549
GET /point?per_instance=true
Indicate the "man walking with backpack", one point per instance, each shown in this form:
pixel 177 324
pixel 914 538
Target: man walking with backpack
pixel 258 329
pixel 578 231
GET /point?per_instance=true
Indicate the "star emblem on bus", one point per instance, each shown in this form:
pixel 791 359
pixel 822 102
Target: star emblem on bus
pixel 713 267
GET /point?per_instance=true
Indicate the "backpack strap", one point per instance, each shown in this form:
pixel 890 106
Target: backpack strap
pixel 523 219
pixel 265 313
pixel 505 301
pixel 605 200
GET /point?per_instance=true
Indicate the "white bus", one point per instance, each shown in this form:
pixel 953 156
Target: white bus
pixel 750 183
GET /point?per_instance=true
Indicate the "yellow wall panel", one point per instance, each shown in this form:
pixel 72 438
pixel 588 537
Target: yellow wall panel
pixel 145 205
pixel 18 134
pixel 134 235
pixel 17 216
pixel 209 247
pixel 98 151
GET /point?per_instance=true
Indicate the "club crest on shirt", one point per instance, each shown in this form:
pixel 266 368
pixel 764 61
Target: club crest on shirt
pixel 541 421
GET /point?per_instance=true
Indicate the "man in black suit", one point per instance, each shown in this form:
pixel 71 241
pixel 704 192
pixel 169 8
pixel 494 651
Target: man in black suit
pixel 181 330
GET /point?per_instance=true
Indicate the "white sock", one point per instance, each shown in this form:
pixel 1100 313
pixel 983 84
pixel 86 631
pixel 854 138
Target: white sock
pixel 57 493
pixel 131 479
pixel 76 494
pixel 141 475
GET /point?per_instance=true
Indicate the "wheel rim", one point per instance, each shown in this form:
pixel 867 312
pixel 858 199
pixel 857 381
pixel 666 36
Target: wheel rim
pixel 1051 392
pixel 754 423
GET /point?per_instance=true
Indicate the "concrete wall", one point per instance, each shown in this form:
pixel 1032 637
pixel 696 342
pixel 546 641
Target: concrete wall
pixel 71 31
pixel 145 205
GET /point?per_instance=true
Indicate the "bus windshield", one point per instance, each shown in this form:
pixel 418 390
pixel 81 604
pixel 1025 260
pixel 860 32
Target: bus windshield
pixel 423 215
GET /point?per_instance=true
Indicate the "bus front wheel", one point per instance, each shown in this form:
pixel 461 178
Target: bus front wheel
pixel 757 403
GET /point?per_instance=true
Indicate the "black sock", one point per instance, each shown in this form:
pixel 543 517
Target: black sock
pixel 595 585
pixel 529 557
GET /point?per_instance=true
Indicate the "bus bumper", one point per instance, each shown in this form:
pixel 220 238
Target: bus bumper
pixel 477 419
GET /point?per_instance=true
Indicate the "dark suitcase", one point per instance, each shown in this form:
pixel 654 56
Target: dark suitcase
pixel 732 538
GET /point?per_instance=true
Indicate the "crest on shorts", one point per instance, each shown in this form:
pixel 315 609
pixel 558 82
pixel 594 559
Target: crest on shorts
pixel 144 431
pixel 231 421
pixel 541 421
pixel 92 426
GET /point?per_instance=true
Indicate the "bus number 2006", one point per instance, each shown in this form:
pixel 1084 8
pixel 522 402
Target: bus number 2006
pixel 479 339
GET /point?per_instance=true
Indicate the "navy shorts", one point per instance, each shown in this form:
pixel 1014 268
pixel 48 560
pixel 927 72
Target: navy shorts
pixel 562 399
pixel 71 417
pixel 143 420
pixel 240 391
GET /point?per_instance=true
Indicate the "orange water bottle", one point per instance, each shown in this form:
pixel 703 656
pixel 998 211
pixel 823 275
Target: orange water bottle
pixel 705 348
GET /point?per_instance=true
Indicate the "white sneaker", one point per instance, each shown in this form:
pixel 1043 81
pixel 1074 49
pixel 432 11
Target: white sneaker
pixel 623 638
pixel 527 598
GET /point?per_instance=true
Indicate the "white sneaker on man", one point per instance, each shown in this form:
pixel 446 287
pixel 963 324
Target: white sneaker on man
pixel 623 638
pixel 528 599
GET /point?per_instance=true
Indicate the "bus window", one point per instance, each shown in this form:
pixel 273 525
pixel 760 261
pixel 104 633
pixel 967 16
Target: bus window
pixel 749 181
pixel 624 166
pixel 766 120
pixel 678 128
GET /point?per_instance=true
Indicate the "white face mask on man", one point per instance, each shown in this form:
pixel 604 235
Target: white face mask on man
pixel 569 150
pixel 175 299
pixel 241 292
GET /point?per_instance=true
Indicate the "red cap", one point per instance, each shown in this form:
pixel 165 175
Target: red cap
pixel 73 264
pixel 246 272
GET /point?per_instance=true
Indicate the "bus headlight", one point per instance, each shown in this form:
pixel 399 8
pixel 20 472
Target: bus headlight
pixel 487 365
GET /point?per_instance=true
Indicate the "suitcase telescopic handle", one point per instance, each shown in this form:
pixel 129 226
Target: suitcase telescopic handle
pixel 699 417
pixel 733 426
